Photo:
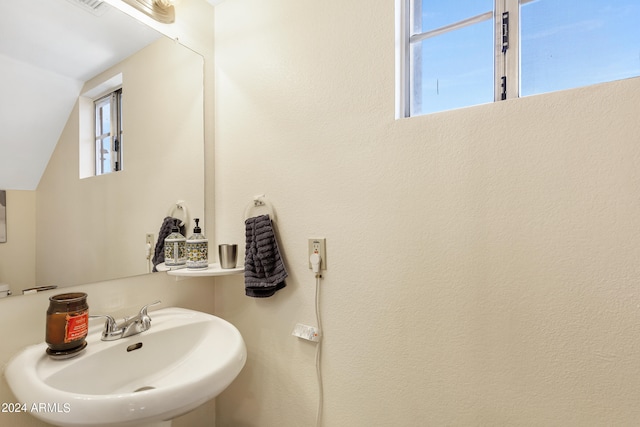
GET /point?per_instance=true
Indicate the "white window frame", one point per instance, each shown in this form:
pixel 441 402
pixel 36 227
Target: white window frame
pixel 115 132
pixel 506 64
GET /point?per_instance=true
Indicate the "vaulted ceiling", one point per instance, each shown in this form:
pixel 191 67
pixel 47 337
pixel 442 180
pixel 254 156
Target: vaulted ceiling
pixel 48 49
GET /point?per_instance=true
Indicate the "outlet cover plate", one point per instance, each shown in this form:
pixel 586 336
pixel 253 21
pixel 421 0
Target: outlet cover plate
pixel 318 245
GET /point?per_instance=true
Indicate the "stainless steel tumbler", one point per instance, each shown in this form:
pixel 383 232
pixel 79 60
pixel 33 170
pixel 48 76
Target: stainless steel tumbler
pixel 228 255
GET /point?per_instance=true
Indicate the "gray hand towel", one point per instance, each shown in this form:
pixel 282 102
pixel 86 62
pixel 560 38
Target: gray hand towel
pixel 264 270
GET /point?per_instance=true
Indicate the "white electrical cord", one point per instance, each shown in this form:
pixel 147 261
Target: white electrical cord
pixel 318 354
pixel 148 252
pixel 315 264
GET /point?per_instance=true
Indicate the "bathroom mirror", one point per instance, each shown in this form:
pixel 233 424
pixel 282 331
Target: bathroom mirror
pixel 82 230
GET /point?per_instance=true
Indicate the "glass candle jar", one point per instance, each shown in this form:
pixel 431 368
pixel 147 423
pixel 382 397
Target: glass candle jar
pixel 67 322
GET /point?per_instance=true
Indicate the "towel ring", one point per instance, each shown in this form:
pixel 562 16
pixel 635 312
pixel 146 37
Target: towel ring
pixel 180 206
pixel 257 202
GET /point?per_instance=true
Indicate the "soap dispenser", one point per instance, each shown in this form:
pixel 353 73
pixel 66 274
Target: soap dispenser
pixel 197 248
pixel 175 251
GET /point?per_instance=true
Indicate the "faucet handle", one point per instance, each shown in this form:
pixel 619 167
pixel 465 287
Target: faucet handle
pixel 110 324
pixel 143 310
pixel 144 316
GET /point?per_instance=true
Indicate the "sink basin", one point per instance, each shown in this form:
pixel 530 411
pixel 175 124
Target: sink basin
pixel 185 359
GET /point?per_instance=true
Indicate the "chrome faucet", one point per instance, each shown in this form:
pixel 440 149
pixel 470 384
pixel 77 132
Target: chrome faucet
pixel 130 326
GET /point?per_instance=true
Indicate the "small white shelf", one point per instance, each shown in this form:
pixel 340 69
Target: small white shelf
pixel 212 270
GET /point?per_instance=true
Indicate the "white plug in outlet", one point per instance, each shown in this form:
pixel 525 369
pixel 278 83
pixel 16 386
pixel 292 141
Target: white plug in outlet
pixel 309 333
pixel 318 246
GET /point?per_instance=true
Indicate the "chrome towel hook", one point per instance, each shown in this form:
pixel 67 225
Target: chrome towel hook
pixel 259 201
pixel 180 206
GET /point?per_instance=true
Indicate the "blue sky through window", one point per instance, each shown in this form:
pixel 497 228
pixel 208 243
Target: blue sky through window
pixel 438 13
pixel 564 44
pixel 570 43
pixel 457 68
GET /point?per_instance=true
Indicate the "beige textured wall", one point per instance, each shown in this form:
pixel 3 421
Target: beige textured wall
pixel 18 254
pixel 483 263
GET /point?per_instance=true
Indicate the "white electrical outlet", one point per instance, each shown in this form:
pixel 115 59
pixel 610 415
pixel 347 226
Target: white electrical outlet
pixel 319 246
pixel 306 332
pixel 150 240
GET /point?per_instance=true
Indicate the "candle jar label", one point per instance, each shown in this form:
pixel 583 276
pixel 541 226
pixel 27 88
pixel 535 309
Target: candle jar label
pixel 77 327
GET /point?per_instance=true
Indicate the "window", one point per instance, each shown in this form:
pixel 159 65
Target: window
pixel 108 126
pixel 566 44
pixel 455 53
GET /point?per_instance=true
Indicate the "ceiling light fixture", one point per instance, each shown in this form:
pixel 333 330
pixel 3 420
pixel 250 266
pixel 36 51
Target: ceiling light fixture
pixel 160 10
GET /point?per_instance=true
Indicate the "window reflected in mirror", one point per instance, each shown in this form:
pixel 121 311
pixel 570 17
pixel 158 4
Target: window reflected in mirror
pixel 3 216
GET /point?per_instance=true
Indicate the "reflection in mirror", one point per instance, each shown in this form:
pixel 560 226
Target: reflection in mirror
pixel 3 216
pixel 66 230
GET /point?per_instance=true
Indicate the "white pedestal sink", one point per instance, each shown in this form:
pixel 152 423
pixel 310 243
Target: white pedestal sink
pixel 184 360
